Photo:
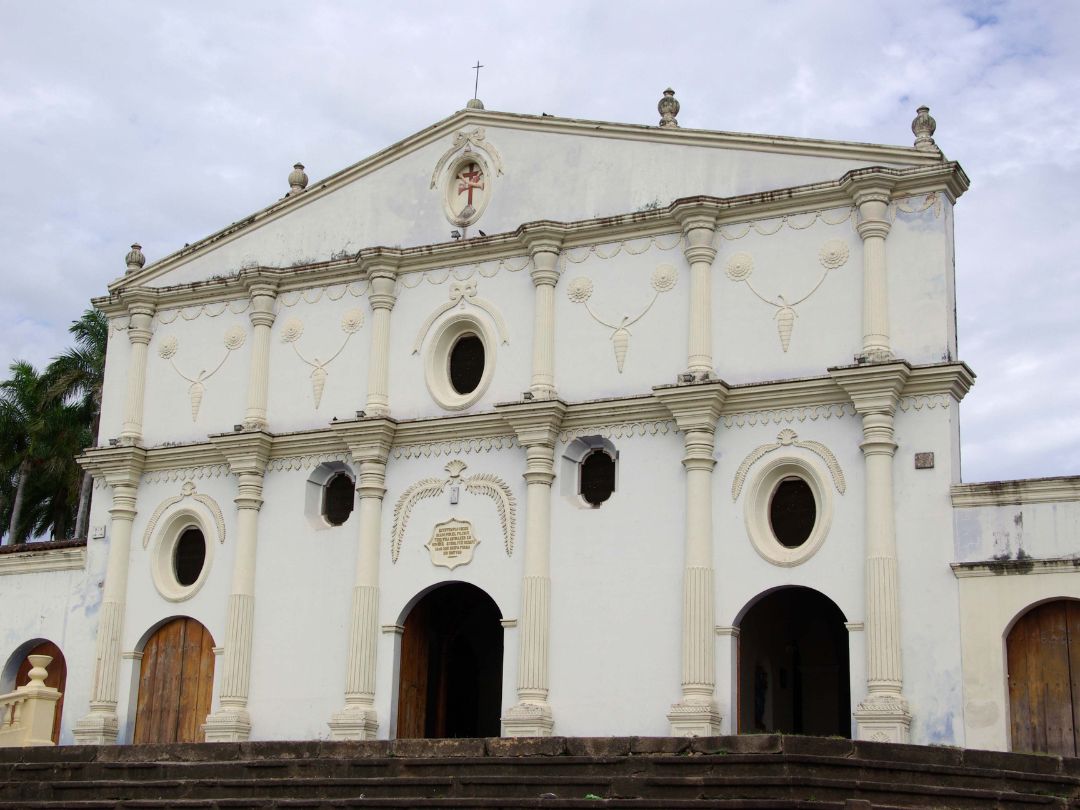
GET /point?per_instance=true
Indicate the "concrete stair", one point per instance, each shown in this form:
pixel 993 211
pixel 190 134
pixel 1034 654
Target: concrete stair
pixel 751 771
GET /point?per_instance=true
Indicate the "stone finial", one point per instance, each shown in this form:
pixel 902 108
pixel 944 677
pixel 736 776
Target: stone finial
pixel 924 126
pixel 668 107
pixel 474 104
pixel 298 180
pixel 135 259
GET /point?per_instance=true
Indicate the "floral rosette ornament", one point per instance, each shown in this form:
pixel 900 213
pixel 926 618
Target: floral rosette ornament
pixel 580 289
pixel 664 278
pixel 740 266
pixel 234 338
pixel 833 254
pixel 352 321
pixel 292 330
pixel 168 348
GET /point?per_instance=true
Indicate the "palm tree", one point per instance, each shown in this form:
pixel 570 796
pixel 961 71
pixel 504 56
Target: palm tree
pixel 78 375
pixel 22 399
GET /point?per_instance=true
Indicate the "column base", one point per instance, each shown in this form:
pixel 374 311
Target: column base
pixel 228 725
pixel 97 728
pixel 883 718
pixel 354 723
pixel 694 720
pixel 528 720
pixel 875 356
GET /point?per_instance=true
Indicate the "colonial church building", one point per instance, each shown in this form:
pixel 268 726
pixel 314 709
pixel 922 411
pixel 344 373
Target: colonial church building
pixel 531 425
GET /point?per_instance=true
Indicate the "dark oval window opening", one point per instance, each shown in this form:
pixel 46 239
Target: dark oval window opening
pixel 189 556
pixel 597 477
pixel 338 499
pixel 792 512
pixel 466 364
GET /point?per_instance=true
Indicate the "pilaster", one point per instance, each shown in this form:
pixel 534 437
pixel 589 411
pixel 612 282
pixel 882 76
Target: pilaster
pixel 698 224
pixel 537 427
pixel 871 195
pixel 696 409
pixel 382 277
pixel 246 453
pixel 875 391
pixel 369 442
pixel 140 306
pixel 121 467
pixel 544 244
pixel 263 296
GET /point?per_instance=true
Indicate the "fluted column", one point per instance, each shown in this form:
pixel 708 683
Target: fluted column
pixel 699 229
pixel 141 315
pixel 382 279
pixel 262 317
pixel 369 442
pixel 871 196
pixel 121 467
pixel 884 714
pixel 696 409
pixel 536 425
pixel 247 454
pixel 544 249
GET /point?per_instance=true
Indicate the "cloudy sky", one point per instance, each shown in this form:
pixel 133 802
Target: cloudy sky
pixel 158 122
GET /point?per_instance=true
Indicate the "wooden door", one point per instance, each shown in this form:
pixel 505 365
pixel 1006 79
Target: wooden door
pixel 1043 652
pixel 413 681
pixel 57 678
pixel 176 681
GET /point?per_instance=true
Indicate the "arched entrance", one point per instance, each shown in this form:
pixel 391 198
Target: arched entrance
pixel 450 682
pixel 176 681
pixel 57 677
pixel 793 665
pixel 1043 652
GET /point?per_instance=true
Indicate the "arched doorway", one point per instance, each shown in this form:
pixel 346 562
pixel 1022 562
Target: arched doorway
pixel 56 678
pixel 793 665
pixel 450 682
pixel 1043 653
pixel 176 681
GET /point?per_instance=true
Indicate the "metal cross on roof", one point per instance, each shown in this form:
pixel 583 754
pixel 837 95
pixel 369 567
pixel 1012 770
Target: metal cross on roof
pixel 476 85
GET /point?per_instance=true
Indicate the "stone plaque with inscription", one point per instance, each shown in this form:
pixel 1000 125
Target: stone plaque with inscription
pixel 452 543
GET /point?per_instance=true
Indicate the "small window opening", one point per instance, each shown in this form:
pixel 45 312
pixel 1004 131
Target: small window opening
pixel 597 477
pixel 189 556
pixel 338 499
pixel 792 512
pixel 467 363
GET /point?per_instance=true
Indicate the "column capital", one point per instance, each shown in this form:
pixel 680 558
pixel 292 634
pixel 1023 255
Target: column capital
pixel 246 451
pixel 695 407
pixel 868 186
pixel 536 422
pixel 542 237
pixel 695 216
pixel 873 389
pixel 544 244
pixel 368 439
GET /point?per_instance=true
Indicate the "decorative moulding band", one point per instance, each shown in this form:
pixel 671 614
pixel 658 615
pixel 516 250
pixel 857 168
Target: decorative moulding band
pixel 1007 493
pixel 997 568
pixel 32 561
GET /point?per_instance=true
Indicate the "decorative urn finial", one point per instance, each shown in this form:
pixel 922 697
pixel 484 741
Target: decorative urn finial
pixel 297 179
pixel 135 259
pixel 924 126
pixel 668 107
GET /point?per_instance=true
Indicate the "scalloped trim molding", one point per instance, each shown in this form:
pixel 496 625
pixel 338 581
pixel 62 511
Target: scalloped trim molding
pixel 305 462
pixel 185 474
pixel 454 447
pixel 781 416
pixel 621 430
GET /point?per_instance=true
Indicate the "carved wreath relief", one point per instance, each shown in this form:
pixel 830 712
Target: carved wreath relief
pixel 580 290
pixel 168 348
pixel 833 254
pixel 451 545
pixel 789 438
pixel 351 322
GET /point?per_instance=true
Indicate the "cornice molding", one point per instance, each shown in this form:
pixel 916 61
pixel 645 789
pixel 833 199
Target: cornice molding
pixel 246 451
pixel 997 568
pixel 696 406
pixel 1009 493
pixel 35 561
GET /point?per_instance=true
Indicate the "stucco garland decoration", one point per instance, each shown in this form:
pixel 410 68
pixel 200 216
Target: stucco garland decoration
pixel 790 221
pixel 314 295
pixel 832 255
pixel 454 447
pixel 463 142
pixel 931 200
pixel 462 293
pixel 788 438
pixel 580 290
pixel 169 346
pixel 462 272
pixel 788 415
pixel 633 247
pixel 620 430
pixel 293 329
pixel 186 491
pixel 211 310
pixel 485 484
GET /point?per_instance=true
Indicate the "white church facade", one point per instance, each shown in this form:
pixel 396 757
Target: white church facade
pixel 670 447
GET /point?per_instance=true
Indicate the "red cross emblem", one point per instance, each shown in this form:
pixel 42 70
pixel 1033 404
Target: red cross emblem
pixel 469 178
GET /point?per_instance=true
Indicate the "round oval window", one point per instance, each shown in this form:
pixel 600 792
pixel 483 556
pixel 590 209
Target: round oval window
pixel 466 363
pixel 189 556
pixel 792 512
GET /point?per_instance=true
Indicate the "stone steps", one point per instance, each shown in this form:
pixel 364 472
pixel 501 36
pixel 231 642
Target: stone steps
pixel 728 772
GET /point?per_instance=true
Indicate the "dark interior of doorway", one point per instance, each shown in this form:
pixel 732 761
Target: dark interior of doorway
pixel 793 666
pixel 450 681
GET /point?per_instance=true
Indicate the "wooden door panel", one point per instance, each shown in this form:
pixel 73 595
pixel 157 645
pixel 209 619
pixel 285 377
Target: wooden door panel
pixel 1072 626
pixel 413 681
pixel 175 683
